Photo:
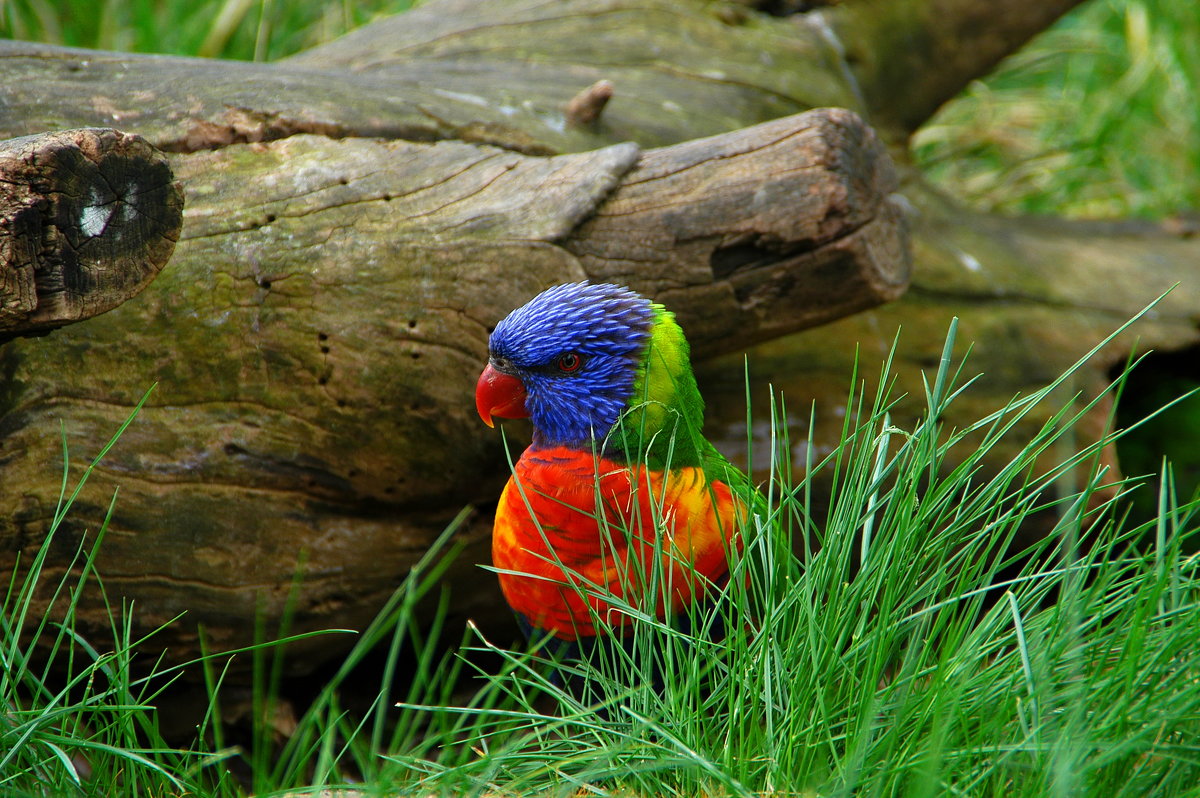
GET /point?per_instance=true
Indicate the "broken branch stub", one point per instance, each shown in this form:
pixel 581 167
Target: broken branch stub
pixel 88 218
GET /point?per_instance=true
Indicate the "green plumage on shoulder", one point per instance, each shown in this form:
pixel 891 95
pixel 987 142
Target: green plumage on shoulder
pixel 662 424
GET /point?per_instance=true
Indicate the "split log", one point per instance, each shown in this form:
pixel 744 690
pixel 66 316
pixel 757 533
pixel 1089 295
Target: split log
pixel 752 248
pixel 87 219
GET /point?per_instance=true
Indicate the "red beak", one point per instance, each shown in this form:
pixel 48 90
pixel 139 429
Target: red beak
pixel 499 394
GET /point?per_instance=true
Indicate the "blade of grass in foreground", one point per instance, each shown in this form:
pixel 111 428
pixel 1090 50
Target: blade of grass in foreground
pixel 947 654
pixel 78 717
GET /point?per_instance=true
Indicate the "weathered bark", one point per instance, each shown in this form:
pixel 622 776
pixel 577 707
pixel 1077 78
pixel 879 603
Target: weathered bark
pixel 747 248
pixel 498 73
pixel 87 219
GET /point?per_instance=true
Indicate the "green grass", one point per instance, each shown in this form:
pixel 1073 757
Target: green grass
pixel 66 708
pixel 77 717
pixel 1098 117
pixel 909 642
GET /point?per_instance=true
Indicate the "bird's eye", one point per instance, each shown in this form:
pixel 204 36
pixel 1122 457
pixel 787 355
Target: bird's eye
pixel 569 362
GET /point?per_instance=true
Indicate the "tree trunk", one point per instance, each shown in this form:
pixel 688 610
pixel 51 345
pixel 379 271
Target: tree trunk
pixel 911 56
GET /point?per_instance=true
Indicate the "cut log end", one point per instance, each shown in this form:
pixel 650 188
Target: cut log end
pixel 88 218
pixel 789 224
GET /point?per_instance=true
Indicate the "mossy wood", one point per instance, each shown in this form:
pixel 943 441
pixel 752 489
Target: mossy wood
pixel 88 217
pixel 316 337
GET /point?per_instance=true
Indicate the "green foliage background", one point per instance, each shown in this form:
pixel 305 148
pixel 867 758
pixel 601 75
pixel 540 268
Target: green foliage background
pixel 258 30
pixel 1099 117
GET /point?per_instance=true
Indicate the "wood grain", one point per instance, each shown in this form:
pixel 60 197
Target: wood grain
pixel 87 219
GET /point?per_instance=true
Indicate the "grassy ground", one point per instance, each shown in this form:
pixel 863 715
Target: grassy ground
pixel 259 30
pixel 910 648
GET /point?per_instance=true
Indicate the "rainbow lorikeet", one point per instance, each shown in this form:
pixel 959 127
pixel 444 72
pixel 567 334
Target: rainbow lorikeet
pixel 604 375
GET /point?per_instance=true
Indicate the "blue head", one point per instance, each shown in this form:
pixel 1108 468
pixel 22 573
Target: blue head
pixel 575 350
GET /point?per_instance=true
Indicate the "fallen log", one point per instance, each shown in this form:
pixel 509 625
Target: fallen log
pixel 454 69
pixel 322 276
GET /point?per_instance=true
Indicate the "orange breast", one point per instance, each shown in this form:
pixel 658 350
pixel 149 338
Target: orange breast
pixel 570 526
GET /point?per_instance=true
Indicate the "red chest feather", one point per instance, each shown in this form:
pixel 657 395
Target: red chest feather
pixel 570 525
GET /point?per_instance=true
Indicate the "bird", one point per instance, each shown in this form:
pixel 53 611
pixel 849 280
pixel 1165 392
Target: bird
pixel 619 501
